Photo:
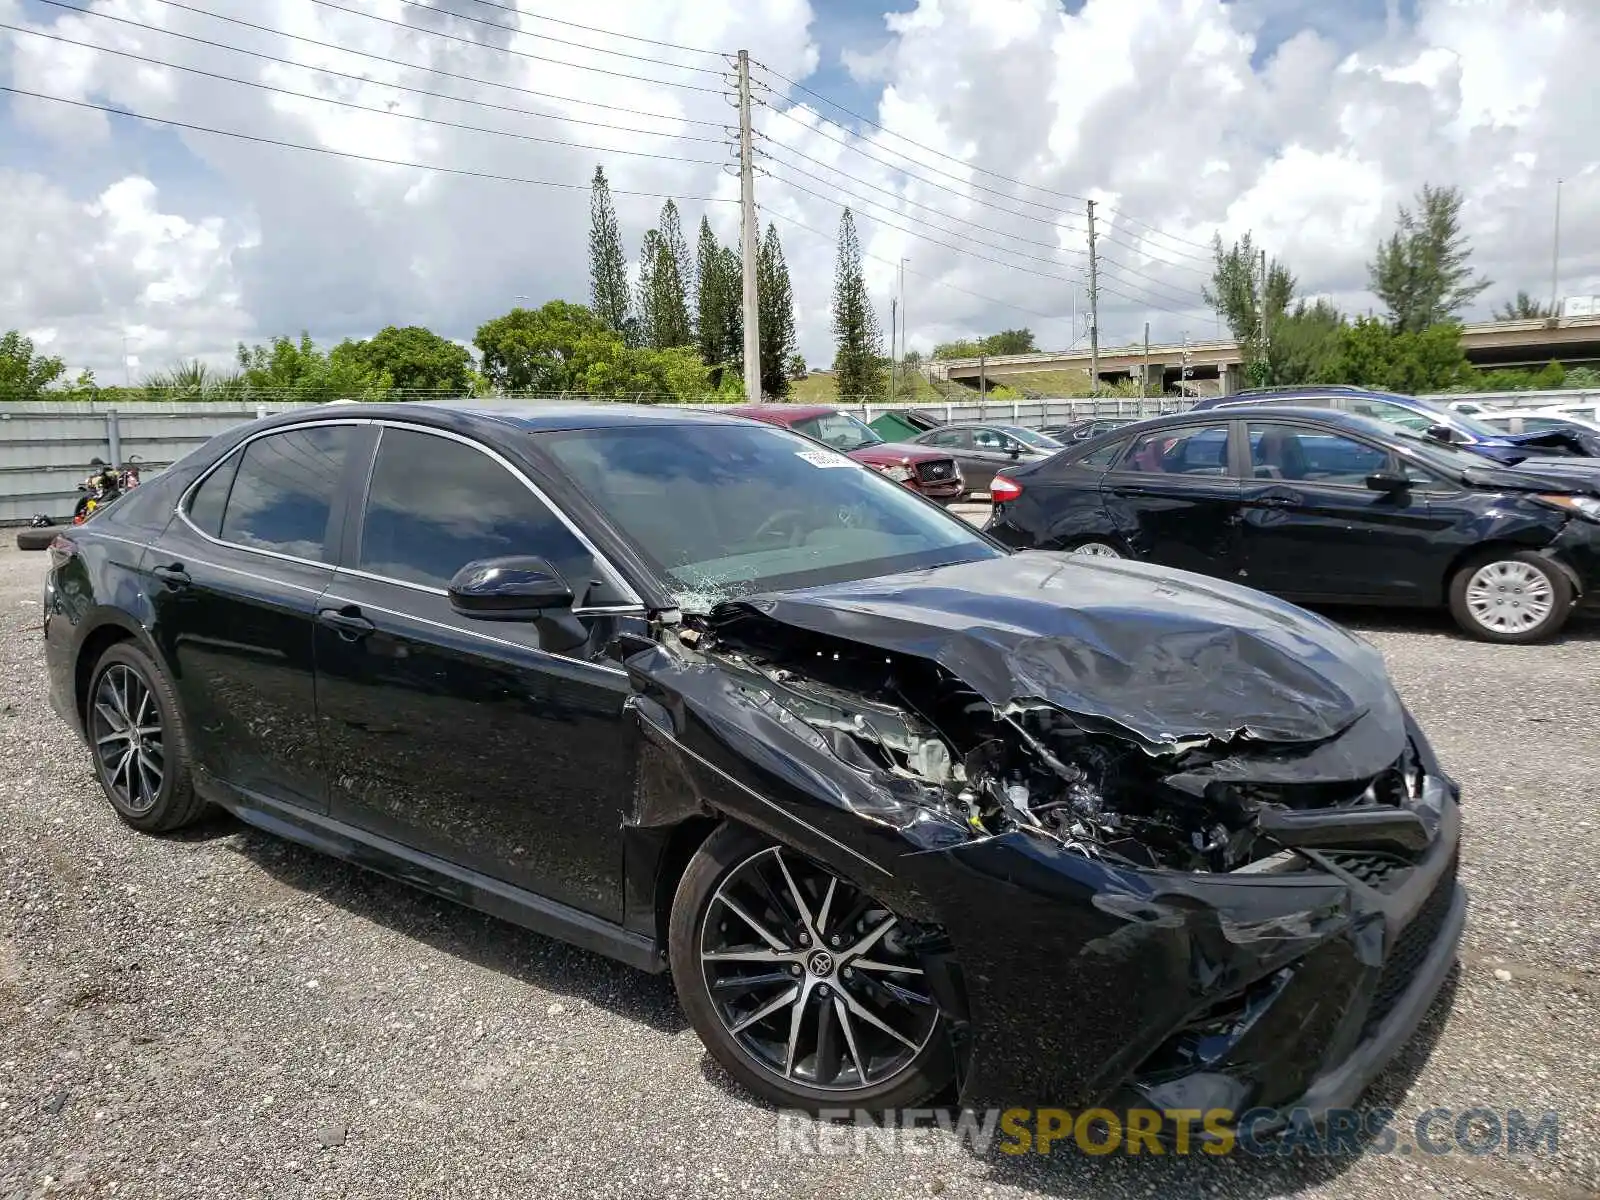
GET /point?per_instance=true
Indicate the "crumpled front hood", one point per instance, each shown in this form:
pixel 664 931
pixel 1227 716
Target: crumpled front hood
pixel 1171 658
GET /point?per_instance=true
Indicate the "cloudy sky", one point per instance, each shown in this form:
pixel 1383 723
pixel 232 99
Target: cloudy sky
pixel 965 134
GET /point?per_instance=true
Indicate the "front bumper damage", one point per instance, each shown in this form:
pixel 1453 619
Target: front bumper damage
pixel 1182 846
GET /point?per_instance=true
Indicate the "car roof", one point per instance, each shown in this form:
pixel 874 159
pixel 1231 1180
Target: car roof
pixel 529 415
pixel 782 412
pixel 1199 416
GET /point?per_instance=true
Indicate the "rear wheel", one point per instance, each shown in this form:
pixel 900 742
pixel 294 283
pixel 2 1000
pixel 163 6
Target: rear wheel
pixel 803 986
pixel 140 751
pixel 1511 596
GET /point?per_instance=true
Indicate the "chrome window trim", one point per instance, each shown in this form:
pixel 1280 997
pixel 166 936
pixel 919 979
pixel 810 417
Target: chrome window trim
pixel 632 603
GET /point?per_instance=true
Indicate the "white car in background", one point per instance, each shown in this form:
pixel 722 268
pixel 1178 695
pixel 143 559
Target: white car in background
pixel 1541 420
pixel 1587 410
pixel 1469 408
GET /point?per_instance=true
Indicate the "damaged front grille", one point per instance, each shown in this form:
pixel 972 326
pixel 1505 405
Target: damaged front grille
pixel 1384 872
pixel 1410 949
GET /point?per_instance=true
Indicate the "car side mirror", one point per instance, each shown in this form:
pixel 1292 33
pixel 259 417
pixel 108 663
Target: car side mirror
pixel 508 589
pixel 1440 433
pixel 1015 452
pixel 1388 481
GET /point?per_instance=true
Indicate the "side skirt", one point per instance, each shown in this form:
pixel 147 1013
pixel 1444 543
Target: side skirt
pixel 437 876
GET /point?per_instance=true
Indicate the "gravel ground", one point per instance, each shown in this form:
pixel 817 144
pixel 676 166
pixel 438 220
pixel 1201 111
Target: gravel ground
pixel 222 1013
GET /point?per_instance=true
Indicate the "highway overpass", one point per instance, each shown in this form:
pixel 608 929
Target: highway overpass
pixel 1219 365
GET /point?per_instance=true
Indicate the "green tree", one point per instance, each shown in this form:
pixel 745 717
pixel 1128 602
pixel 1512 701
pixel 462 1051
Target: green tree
pixel 961 348
pixel 684 270
pixel 547 349
pixel 1236 293
pixel 298 367
pixel 608 267
pixel 1304 345
pixel 663 297
pixel 719 324
pixel 1421 273
pixel 192 380
pixel 857 360
pixel 777 315
pixel 23 373
pixel 1524 308
pixel 797 366
pixel 1009 341
pixel 1374 354
pixel 417 360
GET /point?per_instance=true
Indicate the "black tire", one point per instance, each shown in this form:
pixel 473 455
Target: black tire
pixel 925 1071
pixel 1531 583
pixel 173 802
pixel 36 538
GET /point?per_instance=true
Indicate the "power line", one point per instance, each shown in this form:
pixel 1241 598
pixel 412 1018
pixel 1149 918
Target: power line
pixel 550 38
pixel 363 79
pixel 351 104
pixel 918 145
pixel 933 279
pixel 1145 252
pixel 1056 246
pixel 913 233
pixel 950 232
pixel 371 158
pixel 465 41
pixel 1156 232
pixel 851 146
pixel 693 87
pixel 1149 283
pixel 632 37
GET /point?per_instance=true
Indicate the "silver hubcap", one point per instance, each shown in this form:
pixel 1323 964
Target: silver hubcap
pixel 1096 550
pixel 1510 596
pixel 812 977
pixel 125 725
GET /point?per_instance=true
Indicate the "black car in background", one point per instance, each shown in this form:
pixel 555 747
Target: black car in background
pixel 895 806
pixel 1321 506
pixel 983 450
pixel 1082 431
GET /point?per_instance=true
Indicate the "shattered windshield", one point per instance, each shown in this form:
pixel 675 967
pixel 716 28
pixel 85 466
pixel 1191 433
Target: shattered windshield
pixel 839 430
pixel 723 511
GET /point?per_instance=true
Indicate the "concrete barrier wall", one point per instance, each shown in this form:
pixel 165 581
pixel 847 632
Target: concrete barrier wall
pixel 46 447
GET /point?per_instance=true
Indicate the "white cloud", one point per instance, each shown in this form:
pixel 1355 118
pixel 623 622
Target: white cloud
pixel 1152 106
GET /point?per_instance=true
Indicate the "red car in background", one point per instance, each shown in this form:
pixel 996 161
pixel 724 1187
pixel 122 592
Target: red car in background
pixel 919 468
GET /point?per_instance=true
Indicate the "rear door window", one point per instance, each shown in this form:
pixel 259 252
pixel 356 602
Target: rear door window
pixel 282 494
pixel 1188 450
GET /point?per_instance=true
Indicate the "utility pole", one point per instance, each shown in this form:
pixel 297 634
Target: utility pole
pixel 1094 309
pixel 894 362
pixel 902 316
pixel 1555 258
pixel 747 204
pixel 1261 329
pixel 1144 369
pixel 1183 371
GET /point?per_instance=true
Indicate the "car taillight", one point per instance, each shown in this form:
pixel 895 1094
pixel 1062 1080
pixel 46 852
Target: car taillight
pixel 1003 489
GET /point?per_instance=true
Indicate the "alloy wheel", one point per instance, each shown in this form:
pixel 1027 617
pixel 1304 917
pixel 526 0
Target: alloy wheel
pixel 125 730
pixel 1096 550
pixel 811 977
pixel 1510 596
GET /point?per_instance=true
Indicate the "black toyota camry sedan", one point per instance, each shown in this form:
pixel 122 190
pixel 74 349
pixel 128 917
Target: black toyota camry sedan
pixel 900 810
pixel 1325 507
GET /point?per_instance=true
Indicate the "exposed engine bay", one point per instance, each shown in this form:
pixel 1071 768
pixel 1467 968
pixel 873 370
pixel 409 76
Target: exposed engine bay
pixel 933 740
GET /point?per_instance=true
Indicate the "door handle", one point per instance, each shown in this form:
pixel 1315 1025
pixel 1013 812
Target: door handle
pixel 348 621
pixel 173 575
pixel 1275 502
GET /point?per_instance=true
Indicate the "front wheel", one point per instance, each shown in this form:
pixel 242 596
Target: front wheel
pixel 1095 549
pixel 1511 596
pixel 803 986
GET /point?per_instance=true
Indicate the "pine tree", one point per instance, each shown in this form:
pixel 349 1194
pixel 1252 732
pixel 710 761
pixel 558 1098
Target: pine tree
pixel 663 304
pixel 651 251
pixel 608 269
pixel 857 362
pixel 777 315
pixel 731 276
pixel 713 299
pixel 1421 272
pixel 672 233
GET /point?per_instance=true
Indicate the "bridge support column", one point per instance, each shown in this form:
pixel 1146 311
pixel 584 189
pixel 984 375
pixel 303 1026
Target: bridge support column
pixel 1232 378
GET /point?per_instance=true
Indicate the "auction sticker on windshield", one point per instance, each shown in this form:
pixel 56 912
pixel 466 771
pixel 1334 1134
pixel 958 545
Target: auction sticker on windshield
pixel 825 458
